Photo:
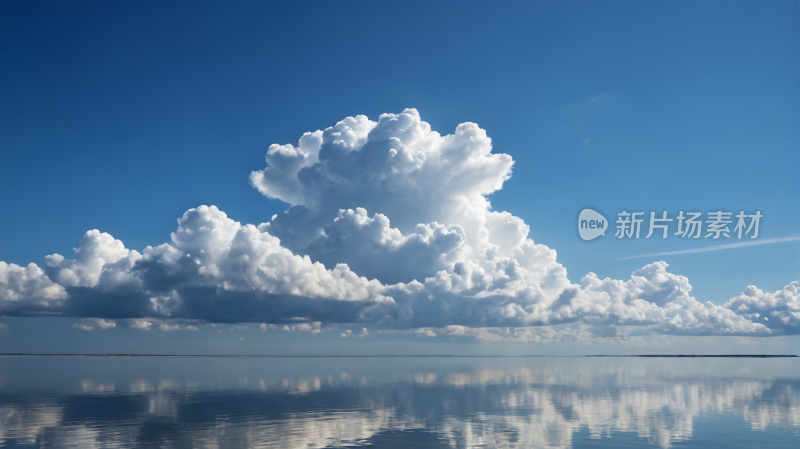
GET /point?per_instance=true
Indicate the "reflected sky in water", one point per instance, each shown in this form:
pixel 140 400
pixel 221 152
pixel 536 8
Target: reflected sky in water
pixel 399 402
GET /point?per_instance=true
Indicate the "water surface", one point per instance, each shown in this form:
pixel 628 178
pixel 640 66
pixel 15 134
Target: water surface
pixel 399 402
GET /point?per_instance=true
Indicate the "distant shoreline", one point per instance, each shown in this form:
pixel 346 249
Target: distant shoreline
pixel 761 356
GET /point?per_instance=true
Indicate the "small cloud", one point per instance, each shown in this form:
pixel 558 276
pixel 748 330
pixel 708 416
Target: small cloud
pixel 88 324
pixel 425 332
pixel 350 334
pixel 191 328
pixel 105 324
pixel 140 324
pixel 164 327
pixel 3 327
pixel 241 338
pixel 314 328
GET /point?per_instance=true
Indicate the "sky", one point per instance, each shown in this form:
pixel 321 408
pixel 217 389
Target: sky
pixel 385 178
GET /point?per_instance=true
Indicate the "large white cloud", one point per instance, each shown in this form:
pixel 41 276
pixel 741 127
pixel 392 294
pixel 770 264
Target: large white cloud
pixel 389 226
pixel 27 286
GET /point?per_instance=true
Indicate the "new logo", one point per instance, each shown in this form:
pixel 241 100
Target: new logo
pixel 591 224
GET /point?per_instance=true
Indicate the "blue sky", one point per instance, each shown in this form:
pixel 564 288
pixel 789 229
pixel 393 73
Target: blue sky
pixel 122 116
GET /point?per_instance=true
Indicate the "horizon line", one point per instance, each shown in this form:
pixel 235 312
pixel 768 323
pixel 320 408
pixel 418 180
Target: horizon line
pixel 28 354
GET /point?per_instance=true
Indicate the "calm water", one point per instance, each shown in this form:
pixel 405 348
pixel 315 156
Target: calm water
pixel 399 402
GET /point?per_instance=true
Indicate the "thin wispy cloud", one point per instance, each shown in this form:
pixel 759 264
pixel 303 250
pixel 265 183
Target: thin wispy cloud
pixel 716 247
pixel 596 99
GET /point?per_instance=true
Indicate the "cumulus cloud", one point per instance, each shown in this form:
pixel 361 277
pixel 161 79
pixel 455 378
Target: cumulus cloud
pixel 387 254
pixel 96 253
pixel 779 311
pixel 389 226
pixel 28 287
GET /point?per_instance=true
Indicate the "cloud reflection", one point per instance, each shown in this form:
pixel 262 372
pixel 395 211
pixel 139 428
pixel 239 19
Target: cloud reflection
pixel 524 404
